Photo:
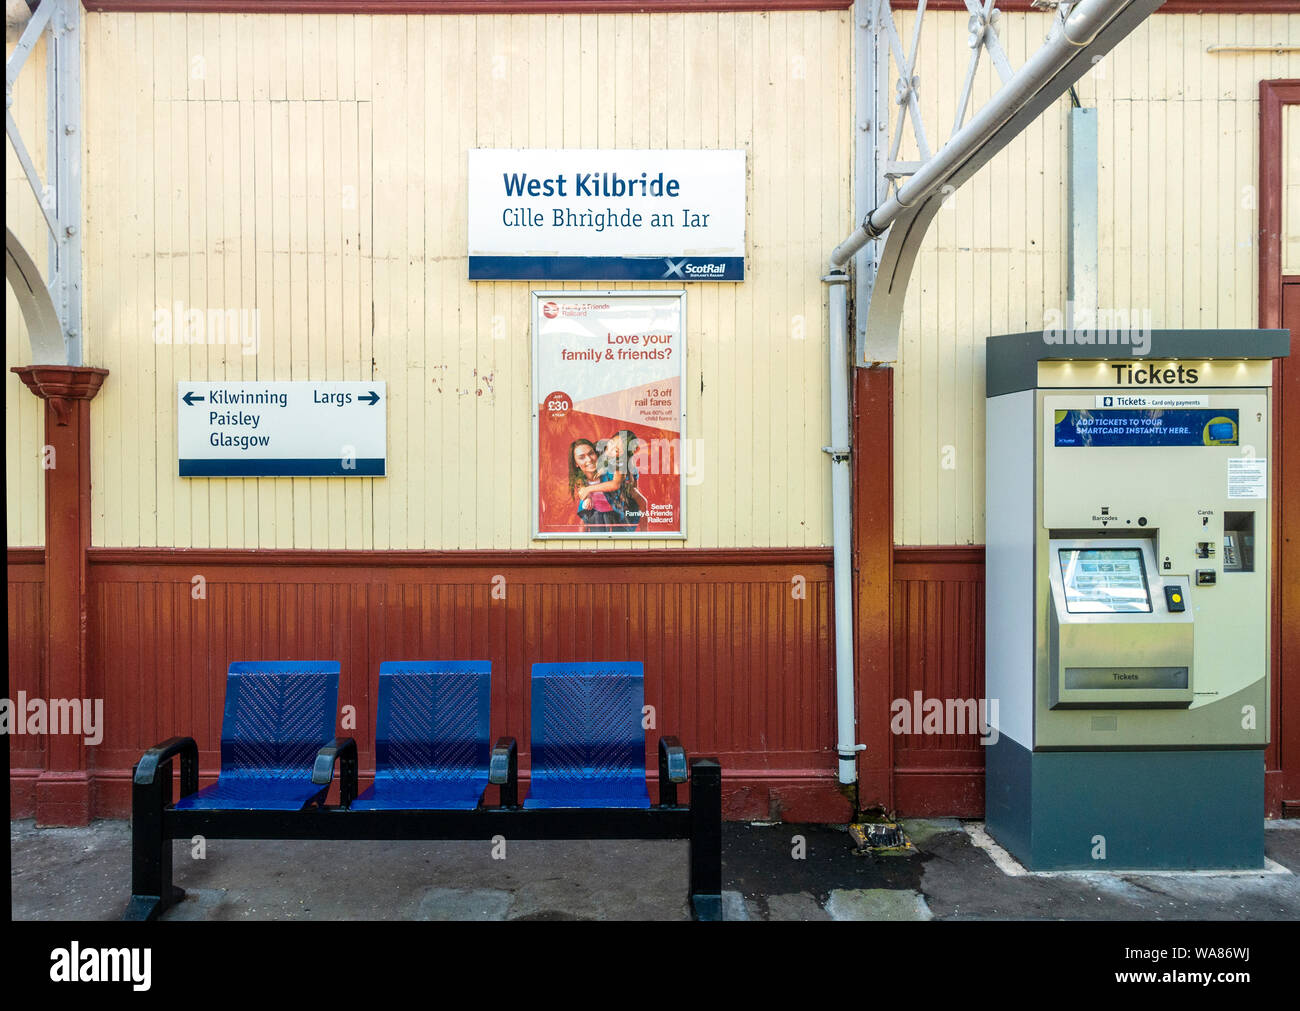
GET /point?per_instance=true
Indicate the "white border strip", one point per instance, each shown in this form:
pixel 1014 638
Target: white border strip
pixel 1013 868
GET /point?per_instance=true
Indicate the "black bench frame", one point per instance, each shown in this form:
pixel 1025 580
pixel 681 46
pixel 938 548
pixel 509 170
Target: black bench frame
pixel 155 823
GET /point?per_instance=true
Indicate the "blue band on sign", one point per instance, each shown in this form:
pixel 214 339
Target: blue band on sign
pixel 368 467
pixel 606 268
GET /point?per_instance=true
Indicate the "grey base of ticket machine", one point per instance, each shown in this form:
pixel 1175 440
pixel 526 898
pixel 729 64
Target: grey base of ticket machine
pixel 1127 596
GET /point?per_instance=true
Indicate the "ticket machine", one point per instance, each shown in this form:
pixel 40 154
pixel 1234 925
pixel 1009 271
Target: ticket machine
pixel 1127 602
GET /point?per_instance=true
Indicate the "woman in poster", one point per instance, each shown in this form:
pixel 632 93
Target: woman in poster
pixel 616 479
pixel 595 510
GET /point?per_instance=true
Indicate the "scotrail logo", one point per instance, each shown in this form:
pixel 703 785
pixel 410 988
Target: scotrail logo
pixel 75 964
pixel 685 268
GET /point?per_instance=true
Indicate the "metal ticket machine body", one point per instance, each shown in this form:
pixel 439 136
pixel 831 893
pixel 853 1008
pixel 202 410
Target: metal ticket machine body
pixel 1128 514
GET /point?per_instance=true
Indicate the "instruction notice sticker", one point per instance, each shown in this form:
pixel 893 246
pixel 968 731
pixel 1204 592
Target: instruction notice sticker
pixel 1247 477
pixel 1161 427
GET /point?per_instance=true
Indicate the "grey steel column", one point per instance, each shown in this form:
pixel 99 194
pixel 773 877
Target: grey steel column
pixel 1081 251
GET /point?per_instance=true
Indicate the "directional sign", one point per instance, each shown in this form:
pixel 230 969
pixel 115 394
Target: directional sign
pixel 300 429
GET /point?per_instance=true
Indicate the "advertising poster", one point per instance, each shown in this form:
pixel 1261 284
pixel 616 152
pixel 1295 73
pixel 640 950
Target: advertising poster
pixel 608 379
pixel 1147 428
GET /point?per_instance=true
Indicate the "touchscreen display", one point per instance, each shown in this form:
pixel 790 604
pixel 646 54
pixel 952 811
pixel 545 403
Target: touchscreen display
pixel 1104 580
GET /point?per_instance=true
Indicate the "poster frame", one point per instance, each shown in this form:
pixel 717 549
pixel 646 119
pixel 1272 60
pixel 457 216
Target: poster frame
pixel 608 294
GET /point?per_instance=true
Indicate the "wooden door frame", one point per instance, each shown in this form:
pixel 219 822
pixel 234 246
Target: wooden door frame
pixel 1285 736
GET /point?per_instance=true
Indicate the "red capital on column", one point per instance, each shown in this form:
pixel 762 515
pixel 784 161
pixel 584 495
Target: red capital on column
pixel 63 791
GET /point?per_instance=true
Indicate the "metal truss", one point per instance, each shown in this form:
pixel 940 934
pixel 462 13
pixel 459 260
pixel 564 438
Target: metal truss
pixel 51 309
pixel 896 199
pixel 983 36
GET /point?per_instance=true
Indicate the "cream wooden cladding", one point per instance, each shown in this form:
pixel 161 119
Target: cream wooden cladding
pixel 313 168
pixel 1291 189
pixel 1179 170
pixel 24 413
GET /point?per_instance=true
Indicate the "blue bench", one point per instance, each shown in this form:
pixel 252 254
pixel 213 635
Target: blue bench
pixel 433 764
pixel 588 747
pixel 277 719
pixel 431 739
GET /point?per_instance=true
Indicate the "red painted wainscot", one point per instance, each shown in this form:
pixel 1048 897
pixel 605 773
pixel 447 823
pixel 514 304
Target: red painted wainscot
pixel 26 596
pixel 939 652
pixel 735 665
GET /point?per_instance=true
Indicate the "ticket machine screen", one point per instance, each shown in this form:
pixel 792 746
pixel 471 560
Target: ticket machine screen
pixel 1104 580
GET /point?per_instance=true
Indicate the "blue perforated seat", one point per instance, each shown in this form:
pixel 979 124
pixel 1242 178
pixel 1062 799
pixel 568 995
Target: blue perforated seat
pixel 278 715
pixel 431 740
pixel 588 746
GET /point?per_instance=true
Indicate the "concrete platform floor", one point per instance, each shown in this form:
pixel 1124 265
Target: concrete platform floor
pixel 84 874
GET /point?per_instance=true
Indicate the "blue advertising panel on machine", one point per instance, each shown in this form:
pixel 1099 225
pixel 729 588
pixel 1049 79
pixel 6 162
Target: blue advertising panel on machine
pixel 1147 428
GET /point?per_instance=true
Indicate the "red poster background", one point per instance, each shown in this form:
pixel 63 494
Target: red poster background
pixel 558 512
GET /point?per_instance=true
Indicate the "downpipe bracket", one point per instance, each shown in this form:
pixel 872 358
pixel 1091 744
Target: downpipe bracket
pixel 838 454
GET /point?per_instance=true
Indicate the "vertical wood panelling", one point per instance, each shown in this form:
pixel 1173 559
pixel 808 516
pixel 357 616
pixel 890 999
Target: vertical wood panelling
pixel 1177 135
pixel 874 603
pixel 938 653
pixel 734 664
pixel 311 168
pixel 24 413
pixel 993 251
pixel 26 609
pixel 1279 306
pixel 1291 189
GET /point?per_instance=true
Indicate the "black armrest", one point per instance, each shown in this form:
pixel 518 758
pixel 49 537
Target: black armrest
pixel 503 770
pixel 344 751
pixel 672 769
pixel 146 769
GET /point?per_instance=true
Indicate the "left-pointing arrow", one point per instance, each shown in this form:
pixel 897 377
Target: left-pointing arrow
pixel 189 399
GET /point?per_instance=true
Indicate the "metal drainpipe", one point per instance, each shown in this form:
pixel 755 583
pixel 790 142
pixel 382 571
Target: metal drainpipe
pixel 842 526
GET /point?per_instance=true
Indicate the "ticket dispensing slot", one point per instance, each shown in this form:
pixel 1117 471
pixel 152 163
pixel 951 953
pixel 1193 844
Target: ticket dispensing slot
pixel 1121 635
pixel 1238 542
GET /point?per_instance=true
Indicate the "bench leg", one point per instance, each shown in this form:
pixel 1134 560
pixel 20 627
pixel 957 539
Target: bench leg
pixel 152 891
pixel 706 839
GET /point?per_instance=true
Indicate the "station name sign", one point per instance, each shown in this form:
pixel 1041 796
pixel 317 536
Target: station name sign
pixel 615 215
pixel 282 429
